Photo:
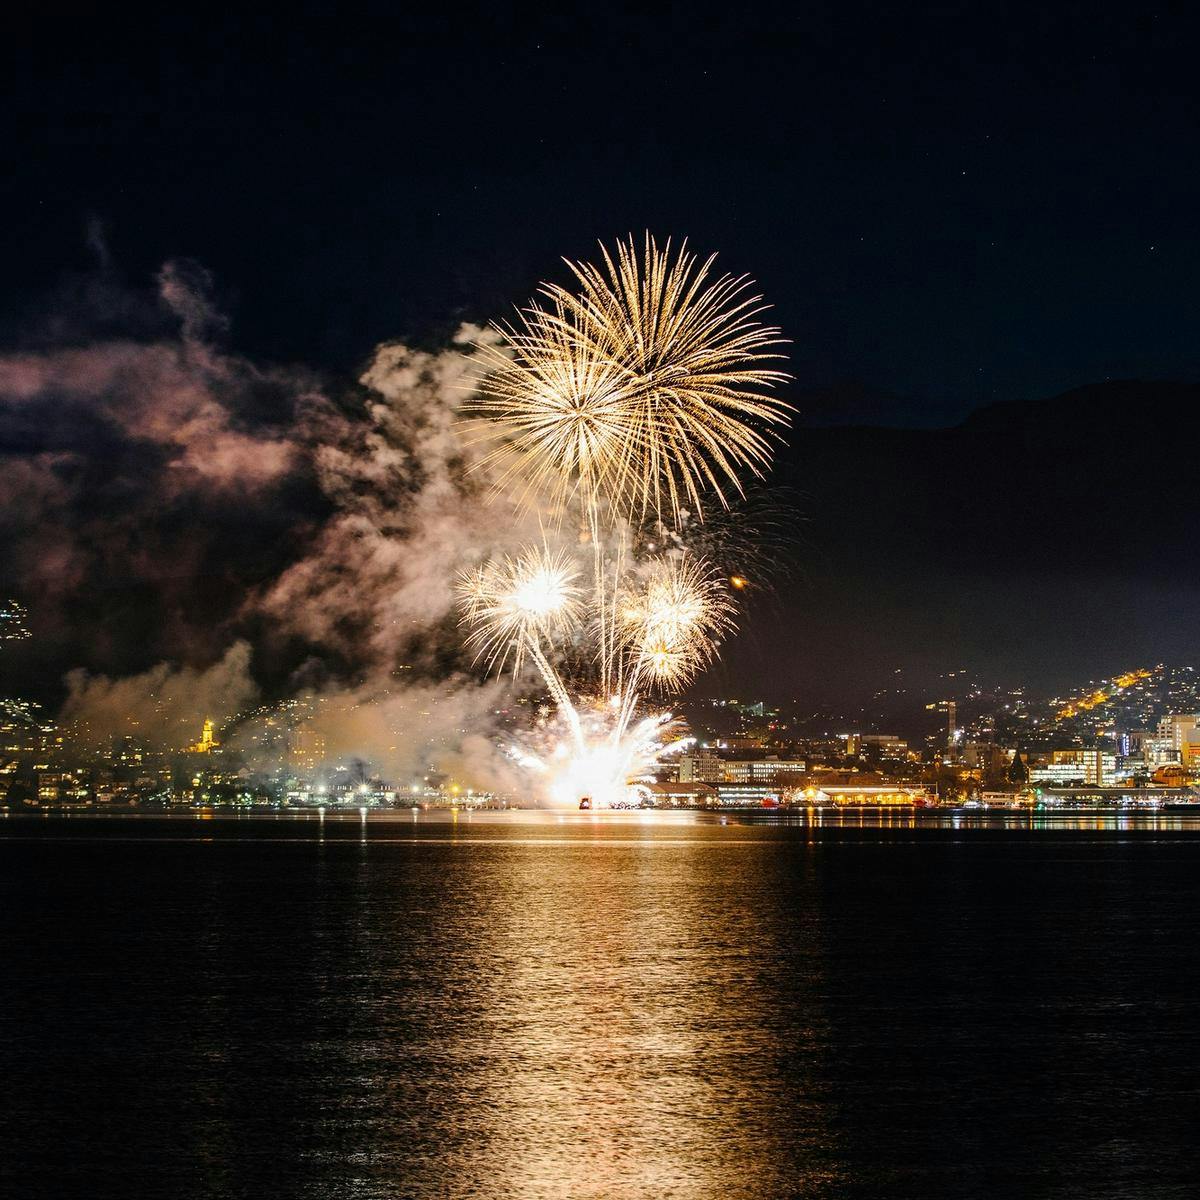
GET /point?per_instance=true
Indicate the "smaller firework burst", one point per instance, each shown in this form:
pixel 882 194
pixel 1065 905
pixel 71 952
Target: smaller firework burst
pixel 514 603
pixel 671 619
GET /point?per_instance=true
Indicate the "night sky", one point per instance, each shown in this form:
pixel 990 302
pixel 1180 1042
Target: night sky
pixel 977 225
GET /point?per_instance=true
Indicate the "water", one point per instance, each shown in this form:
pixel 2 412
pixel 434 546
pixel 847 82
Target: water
pixel 610 1007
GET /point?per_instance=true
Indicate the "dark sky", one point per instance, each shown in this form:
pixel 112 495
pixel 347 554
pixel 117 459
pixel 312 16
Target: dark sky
pixel 949 209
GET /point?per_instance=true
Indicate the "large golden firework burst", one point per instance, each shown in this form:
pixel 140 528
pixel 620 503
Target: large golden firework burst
pixel 640 392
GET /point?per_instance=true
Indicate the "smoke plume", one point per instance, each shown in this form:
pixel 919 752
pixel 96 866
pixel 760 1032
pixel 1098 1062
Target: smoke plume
pixel 162 706
pixel 193 530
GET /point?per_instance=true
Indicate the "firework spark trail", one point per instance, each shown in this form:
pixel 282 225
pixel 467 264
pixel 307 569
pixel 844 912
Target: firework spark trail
pixel 558 692
pixel 631 399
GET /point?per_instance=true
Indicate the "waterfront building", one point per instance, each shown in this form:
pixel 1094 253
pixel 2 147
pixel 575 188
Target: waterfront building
pixel 1115 797
pixel 748 795
pixel 845 796
pixel 682 795
pixel 701 766
pixel 1001 799
pixel 1095 767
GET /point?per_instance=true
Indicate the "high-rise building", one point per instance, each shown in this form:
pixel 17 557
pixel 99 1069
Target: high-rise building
pixel 306 748
pixel 1159 752
pixel 950 708
pixel 882 745
pixel 701 766
pixel 1181 731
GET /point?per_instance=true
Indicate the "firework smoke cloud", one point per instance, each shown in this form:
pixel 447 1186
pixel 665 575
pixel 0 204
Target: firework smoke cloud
pixel 201 532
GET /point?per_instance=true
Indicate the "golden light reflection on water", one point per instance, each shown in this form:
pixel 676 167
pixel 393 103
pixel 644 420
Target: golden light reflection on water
pixel 633 1014
pixel 822 1004
pixel 636 1004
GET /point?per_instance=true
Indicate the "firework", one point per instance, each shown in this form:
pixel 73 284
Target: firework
pixel 641 392
pixel 628 401
pixel 611 772
pixel 670 620
pixel 515 603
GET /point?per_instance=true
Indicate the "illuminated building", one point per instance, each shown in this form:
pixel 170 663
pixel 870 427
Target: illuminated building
pixel 747 795
pixel 61 787
pixel 207 742
pixel 306 749
pixel 1170 775
pixel 701 766
pixel 1131 742
pixel 744 741
pixel 1115 797
pixel 880 745
pixel 1181 731
pixel 1095 767
pixel 888 744
pixel 762 770
pixel 851 796
pixel 1160 752
pixel 678 795
pixel 1000 799
pixel 950 708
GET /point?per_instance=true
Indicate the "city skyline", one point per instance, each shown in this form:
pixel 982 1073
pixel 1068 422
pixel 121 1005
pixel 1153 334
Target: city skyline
pixel 1131 738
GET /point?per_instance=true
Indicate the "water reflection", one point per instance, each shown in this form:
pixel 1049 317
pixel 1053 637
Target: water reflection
pixel 823 1003
pixel 625 1035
